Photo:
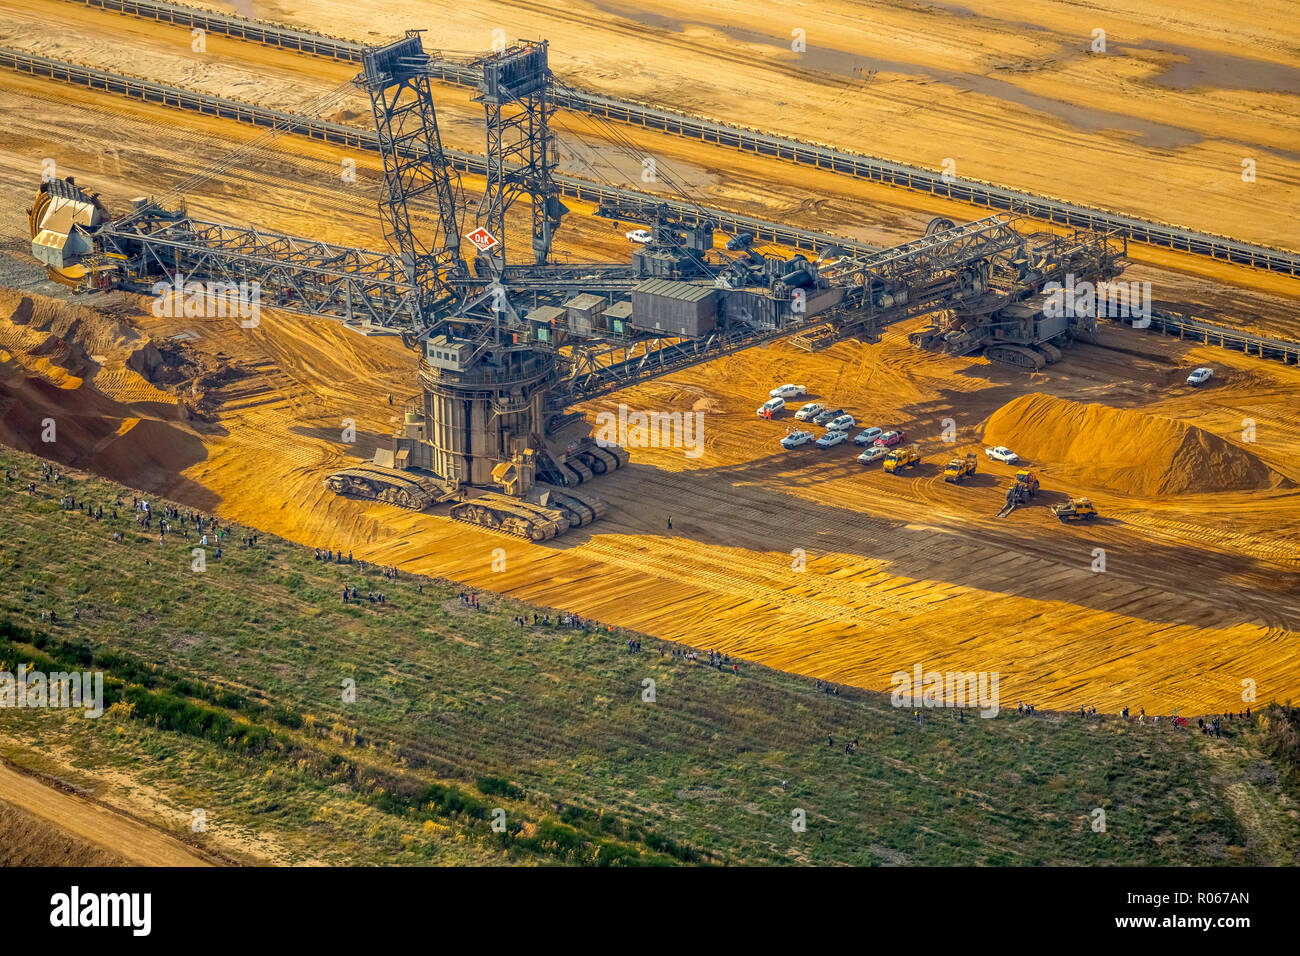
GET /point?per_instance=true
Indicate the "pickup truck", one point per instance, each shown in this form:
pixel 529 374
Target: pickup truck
pixel 831 439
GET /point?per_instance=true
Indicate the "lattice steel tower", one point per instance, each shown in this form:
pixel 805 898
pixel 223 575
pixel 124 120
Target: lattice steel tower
pixel 397 78
pixel 517 92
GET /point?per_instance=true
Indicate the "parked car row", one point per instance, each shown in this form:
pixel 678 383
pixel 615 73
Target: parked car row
pixel 876 442
pixel 838 423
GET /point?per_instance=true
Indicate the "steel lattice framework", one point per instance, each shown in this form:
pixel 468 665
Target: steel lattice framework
pixel 938 251
pixel 303 275
pixel 429 290
pixel 397 78
pixel 517 93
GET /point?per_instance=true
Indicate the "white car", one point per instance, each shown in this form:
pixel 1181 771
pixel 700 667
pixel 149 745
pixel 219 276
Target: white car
pixel 1002 453
pixel 771 407
pixel 868 435
pixel 841 424
pixel 874 453
pixel 1200 376
pixel 640 235
pixel 795 439
pixel 808 411
pixel 788 391
pixel 831 439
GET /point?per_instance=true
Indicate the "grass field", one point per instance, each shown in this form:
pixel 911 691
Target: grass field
pixel 227 696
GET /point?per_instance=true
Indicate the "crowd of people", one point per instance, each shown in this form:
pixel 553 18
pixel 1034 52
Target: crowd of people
pixel 374 597
pixel 544 620
pixel 329 555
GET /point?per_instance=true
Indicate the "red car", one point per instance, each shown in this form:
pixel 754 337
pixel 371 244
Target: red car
pixel 889 439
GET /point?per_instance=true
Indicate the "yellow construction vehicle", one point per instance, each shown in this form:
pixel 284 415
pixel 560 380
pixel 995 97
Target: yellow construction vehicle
pixel 1029 480
pixel 959 468
pixel 900 459
pixel 1076 509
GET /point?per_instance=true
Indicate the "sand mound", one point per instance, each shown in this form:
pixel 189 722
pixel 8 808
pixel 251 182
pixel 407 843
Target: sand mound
pixel 47 408
pixel 93 331
pixel 67 343
pixel 1127 451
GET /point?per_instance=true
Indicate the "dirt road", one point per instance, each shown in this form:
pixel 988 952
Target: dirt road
pixel 129 838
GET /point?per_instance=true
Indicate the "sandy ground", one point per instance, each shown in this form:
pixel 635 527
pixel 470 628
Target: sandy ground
pixel 1198 592
pixel 897 568
pixel 82 819
pixel 1009 90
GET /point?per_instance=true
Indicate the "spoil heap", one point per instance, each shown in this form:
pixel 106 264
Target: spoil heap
pixel 1125 450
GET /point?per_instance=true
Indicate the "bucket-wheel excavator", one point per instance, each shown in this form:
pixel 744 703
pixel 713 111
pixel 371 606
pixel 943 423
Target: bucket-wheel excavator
pixel 507 348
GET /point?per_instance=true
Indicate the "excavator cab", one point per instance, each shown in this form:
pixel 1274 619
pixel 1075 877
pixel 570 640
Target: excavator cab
pixel 506 474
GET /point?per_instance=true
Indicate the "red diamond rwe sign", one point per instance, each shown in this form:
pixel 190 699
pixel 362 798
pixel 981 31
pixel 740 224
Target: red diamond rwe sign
pixel 482 239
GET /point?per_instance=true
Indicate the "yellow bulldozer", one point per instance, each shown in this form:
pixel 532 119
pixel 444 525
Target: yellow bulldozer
pixel 1076 509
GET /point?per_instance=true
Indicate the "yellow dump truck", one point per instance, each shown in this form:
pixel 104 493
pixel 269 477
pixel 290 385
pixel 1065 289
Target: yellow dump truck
pixel 901 459
pixel 959 468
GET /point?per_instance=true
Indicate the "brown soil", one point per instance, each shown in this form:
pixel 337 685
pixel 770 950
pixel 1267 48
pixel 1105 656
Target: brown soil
pixel 123 425
pixel 1124 449
pixel 1010 90
pixel 897 566
pixel 32 841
